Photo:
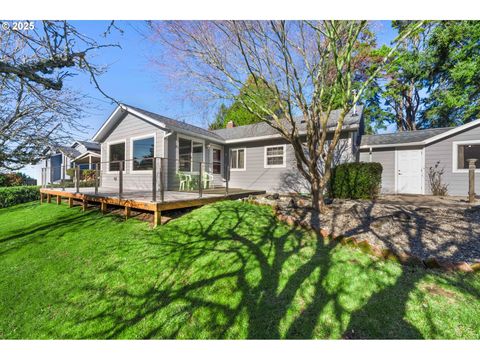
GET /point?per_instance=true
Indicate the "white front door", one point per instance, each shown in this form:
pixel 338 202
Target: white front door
pixel 409 171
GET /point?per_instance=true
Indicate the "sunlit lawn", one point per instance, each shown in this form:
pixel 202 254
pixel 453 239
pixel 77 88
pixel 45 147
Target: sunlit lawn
pixel 227 270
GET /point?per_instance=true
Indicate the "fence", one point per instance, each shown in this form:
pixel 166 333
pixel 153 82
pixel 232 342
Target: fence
pixel 151 177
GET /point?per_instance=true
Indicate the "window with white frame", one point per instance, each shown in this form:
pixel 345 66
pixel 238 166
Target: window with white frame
pixel 275 156
pixel 116 155
pixel 143 152
pixel 237 159
pixel 464 152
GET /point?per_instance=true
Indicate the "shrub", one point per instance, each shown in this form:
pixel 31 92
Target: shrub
pixel 14 195
pixel 356 180
pixel 16 179
pixel 437 186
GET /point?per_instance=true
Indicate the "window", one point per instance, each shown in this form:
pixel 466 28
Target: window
pixel 143 152
pixel 465 152
pixel 217 161
pixel 237 161
pixel 275 156
pixel 116 153
pixel 190 155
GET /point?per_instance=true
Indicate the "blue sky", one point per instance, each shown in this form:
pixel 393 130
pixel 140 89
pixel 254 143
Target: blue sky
pixel 131 78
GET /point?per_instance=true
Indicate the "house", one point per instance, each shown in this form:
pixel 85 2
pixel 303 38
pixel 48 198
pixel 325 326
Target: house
pixel 407 156
pixel 82 153
pixel 253 157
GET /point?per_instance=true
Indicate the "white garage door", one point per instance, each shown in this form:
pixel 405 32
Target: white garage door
pixel 409 171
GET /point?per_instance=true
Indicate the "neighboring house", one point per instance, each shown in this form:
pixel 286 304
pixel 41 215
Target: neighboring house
pixel 407 156
pixel 251 157
pixel 81 153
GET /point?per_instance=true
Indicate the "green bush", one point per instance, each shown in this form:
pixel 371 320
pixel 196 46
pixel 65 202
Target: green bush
pixel 14 195
pixel 16 179
pixel 356 180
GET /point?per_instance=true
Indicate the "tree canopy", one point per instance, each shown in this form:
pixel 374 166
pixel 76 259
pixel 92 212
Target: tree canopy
pixel 254 96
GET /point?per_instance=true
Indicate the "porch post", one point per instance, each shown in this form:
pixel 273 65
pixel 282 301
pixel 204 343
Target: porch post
pixel 162 186
pixel 97 166
pixel 227 177
pixel 154 179
pixel 200 180
pixel 471 180
pixel 89 162
pixel 77 178
pixel 120 179
pixel 63 176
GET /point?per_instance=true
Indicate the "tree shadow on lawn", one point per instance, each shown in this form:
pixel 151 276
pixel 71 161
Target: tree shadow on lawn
pixel 239 273
pixel 236 272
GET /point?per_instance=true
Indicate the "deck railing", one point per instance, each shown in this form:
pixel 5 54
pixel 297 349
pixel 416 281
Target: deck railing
pixel 146 175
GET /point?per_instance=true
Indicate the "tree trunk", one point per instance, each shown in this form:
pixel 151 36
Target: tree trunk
pixel 318 199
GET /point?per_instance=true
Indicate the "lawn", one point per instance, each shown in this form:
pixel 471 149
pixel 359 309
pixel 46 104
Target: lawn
pixel 227 270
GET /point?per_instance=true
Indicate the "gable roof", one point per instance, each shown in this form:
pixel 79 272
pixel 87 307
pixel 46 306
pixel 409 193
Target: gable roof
pixel 404 137
pixel 89 145
pixel 262 129
pixel 231 135
pixel 410 138
pixel 177 125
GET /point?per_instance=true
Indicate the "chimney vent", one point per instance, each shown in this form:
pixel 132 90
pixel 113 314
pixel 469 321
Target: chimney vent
pixel 230 124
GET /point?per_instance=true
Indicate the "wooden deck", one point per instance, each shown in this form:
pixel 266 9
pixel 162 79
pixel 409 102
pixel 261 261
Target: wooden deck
pixel 142 200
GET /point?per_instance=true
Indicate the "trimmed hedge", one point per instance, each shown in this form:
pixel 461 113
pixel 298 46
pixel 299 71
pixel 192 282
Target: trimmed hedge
pixel 14 195
pixel 356 180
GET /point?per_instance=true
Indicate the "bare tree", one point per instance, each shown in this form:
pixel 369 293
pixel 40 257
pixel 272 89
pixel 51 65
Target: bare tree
pixel 311 67
pixel 37 109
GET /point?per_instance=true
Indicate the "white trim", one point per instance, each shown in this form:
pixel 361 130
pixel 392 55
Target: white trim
pixel 140 137
pixel 417 143
pixel 87 153
pixel 256 138
pixel 177 151
pixel 244 159
pixel 453 131
pixel 110 118
pixel 429 140
pixel 113 142
pixel 265 164
pixel 455 144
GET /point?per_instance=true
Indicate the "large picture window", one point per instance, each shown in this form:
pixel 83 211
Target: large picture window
pixel 143 152
pixel 275 156
pixel 116 153
pixel 237 161
pixel 217 161
pixel 190 155
pixel 465 152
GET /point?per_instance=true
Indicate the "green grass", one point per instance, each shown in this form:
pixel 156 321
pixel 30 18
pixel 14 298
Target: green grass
pixel 227 270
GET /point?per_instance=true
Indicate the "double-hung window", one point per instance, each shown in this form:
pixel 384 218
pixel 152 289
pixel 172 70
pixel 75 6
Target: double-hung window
pixel 237 159
pixel 116 154
pixel 275 156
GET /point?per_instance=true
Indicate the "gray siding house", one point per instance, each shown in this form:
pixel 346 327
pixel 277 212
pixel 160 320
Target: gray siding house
pixel 82 153
pixel 252 157
pixel 256 157
pixel 407 156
